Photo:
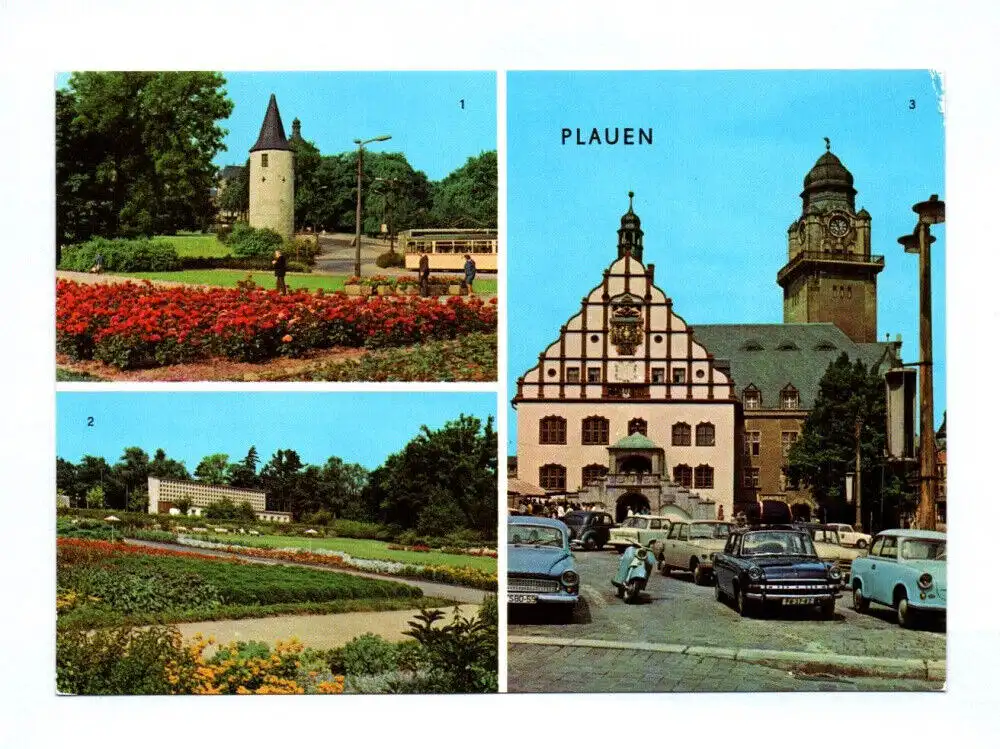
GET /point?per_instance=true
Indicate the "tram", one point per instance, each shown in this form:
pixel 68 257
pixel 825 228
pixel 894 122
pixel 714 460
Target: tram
pixel 446 248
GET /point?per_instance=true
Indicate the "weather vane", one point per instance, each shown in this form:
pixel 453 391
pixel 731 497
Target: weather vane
pixel 827 143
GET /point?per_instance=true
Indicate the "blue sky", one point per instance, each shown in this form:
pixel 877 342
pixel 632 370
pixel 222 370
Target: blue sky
pixel 422 111
pixel 716 191
pixel 360 428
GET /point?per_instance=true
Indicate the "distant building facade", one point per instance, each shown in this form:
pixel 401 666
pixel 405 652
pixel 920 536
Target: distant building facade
pixel 627 409
pixel 272 176
pixel 164 495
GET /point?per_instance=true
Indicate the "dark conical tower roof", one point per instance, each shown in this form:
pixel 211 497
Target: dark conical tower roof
pixel 828 184
pixel 630 235
pixel 272 132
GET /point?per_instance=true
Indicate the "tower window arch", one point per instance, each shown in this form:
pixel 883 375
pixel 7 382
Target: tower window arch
pixel 595 430
pixel 704 435
pixel 637 425
pixel 680 434
pixel 552 430
pixel 704 477
pixel 552 477
pixel 263 160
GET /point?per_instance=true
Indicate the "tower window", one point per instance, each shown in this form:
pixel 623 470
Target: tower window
pixel 552 477
pixel 552 431
pixel 704 435
pixel 263 160
pixel 680 434
pixel 595 430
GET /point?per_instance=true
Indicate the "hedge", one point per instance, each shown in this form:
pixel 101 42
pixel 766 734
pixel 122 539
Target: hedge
pixel 121 255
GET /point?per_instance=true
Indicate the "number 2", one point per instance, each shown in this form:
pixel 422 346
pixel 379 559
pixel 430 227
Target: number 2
pixel 90 421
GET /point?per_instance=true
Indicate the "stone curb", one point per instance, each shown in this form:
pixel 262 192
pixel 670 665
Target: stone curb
pixel 915 668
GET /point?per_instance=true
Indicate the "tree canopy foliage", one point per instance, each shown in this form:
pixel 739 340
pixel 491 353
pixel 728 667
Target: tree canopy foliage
pixel 134 152
pixel 824 454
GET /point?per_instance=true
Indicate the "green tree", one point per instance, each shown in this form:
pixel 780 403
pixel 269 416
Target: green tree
pixel 184 504
pixel 243 475
pixel 95 498
pixel 135 150
pixel 235 196
pixel 849 394
pixel 163 467
pixel 66 479
pixel 279 480
pixel 129 475
pixel 212 469
pixel 395 193
pixel 467 198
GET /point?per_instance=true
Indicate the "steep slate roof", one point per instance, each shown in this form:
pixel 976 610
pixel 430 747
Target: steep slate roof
pixel 786 353
pixel 272 132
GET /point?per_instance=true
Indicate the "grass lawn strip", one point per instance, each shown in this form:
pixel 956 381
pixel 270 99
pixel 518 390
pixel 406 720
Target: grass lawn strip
pixel 360 549
pixel 196 245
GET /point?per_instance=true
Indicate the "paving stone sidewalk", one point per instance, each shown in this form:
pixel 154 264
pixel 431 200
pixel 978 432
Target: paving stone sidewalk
pixel 546 668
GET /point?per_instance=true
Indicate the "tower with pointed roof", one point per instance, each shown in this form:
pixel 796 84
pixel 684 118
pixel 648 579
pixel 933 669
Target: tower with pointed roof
pixel 272 176
pixel 626 409
pixel 831 273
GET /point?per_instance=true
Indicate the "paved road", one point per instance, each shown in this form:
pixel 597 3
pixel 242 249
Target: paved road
pixel 674 611
pixel 430 589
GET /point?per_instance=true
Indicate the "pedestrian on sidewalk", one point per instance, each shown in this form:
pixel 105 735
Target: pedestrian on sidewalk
pixel 425 274
pixel 280 264
pixel 470 273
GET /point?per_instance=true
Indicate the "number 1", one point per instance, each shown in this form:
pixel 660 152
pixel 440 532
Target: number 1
pixel 462 103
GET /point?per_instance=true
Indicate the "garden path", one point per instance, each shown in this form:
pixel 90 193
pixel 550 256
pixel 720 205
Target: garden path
pixel 314 630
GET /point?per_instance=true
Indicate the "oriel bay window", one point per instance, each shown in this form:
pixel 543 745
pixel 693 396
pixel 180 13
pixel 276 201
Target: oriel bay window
pixel 682 475
pixel 704 477
pixel 552 477
pixel 704 435
pixel 595 430
pixel 552 430
pixel 680 434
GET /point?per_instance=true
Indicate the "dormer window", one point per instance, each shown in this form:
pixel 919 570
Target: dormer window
pixel 751 398
pixel 790 398
pixel 753 346
pixel 787 346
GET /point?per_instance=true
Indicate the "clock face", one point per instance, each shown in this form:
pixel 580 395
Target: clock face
pixel 839 226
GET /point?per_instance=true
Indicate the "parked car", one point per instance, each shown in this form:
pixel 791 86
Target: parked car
pixel 774 564
pixel 690 546
pixel 541 569
pixel 639 529
pixel 851 537
pixel 588 528
pixel 830 546
pixel 904 569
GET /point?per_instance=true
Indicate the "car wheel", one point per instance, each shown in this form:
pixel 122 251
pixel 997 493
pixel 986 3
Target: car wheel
pixel 860 602
pixel 588 542
pixel 618 590
pixel 631 591
pixel 861 544
pixel 697 574
pixel 827 608
pixel 742 604
pixel 903 614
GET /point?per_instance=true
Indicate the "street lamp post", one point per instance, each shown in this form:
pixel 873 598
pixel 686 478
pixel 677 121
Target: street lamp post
pixel 357 217
pixel 930 211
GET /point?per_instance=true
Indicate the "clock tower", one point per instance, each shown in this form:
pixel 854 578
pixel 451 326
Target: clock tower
pixel 831 274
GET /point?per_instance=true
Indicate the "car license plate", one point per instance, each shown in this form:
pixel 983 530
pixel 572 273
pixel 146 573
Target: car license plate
pixel 521 598
pixel 798 601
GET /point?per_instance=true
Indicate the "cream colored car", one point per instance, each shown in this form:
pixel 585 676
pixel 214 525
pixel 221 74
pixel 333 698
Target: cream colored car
pixel 830 549
pixel 690 545
pixel 640 529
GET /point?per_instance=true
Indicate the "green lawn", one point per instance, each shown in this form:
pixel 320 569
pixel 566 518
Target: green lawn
pixel 364 549
pixel 197 245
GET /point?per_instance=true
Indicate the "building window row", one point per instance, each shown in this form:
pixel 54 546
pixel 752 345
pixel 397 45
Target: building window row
pixel 704 434
pixel 552 477
pixel 788 398
pixel 597 431
pixel 699 477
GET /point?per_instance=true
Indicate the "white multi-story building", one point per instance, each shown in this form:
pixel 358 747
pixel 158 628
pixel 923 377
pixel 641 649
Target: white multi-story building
pixel 164 495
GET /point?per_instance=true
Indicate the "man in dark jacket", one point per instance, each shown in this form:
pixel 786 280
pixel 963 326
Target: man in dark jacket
pixel 279 264
pixel 425 274
pixel 470 273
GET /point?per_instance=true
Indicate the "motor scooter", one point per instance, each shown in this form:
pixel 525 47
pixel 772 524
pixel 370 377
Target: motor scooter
pixel 633 572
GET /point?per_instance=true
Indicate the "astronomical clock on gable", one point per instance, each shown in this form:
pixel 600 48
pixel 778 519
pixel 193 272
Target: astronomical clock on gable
pixel 626 409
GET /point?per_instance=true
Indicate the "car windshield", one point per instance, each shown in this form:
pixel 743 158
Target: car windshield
pixel 534 535
pixel 632 522
pixel 709 530
pixel 777 542
pixel 574 518
pixel 922 548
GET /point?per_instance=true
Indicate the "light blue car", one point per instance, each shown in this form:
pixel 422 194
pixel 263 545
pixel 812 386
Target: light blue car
pixel 904 569
pixel 541 570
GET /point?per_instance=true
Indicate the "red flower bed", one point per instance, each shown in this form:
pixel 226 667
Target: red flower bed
pixel 141 325
pixel 89 551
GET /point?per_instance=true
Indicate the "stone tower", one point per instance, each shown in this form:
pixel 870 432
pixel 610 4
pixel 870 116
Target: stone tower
pixel 831 274
pixel 272 176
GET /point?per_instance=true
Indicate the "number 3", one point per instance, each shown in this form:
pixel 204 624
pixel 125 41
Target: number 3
pixel 913 103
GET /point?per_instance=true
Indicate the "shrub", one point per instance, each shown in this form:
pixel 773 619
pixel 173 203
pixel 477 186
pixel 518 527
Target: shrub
pixel 222 232
pixel 302 249
pixel 117 661
pixel 226 509
pixel 462 656
pixel 391 260
pixel 249 242
pixel 231 262
pixel 360 529
pixel 121 255
pixel 368 654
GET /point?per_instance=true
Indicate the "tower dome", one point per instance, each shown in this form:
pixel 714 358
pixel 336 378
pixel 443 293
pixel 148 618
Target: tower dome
pixel 828 184
pixel 630 235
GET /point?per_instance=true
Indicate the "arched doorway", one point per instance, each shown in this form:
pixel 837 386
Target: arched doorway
pixel 631 501
pixel 635 464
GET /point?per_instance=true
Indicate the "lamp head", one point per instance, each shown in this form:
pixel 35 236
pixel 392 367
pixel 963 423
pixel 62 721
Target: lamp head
pixel 931 211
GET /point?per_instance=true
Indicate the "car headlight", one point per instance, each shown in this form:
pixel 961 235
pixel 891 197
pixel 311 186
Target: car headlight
pixel 641 553
pixel 569 578
pixel 755 573
pixel 834 572
pixel 704 556
pixel 925 581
